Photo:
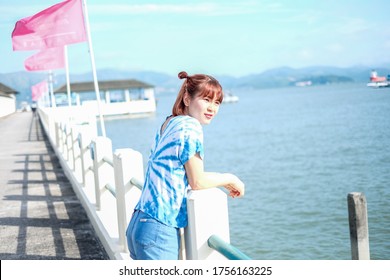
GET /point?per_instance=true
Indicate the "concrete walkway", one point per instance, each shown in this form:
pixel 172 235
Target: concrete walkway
pixel 40 215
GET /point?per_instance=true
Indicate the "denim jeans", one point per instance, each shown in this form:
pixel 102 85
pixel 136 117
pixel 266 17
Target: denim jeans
pixel 148 239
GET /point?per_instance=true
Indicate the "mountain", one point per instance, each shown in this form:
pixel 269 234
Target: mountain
pixel 277 77
pixel 22 82
pixel 286 76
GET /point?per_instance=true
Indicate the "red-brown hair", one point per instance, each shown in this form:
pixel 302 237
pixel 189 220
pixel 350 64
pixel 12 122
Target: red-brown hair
pixel 196 85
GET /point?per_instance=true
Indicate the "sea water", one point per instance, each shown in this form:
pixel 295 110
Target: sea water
pixel 299 151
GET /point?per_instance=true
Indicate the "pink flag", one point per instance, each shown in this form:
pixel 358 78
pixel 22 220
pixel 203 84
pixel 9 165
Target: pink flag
pixel 38 90
pixel 59 25
pixel 48 59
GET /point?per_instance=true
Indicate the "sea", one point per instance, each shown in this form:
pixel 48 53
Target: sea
pixel 300 151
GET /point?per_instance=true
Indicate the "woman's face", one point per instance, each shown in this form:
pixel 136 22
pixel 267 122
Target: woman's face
pixel 202 108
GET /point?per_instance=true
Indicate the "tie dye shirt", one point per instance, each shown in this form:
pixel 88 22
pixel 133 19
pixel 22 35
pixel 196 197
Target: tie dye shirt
pixel 164 195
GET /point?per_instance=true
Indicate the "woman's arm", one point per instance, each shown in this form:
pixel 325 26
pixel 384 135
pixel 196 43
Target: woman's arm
pixel 199 179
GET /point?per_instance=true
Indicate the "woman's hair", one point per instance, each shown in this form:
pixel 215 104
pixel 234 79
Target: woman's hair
pixel 196 85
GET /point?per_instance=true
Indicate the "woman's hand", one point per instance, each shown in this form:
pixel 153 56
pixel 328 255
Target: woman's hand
pixel 236 188
pixel 199 179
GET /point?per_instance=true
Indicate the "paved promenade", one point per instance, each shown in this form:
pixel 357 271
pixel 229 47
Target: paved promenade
pixel 40 215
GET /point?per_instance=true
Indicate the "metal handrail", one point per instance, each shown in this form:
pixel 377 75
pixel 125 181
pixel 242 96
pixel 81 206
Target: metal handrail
pixel 137 183
pixel 111 189
pixel 226 249
pixel 108 160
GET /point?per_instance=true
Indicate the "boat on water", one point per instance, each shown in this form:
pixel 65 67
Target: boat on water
pixel 303 83
pixel 230 98
pixel 377 81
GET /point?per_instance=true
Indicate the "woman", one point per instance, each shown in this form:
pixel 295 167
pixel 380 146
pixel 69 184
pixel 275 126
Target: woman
pixel 175 164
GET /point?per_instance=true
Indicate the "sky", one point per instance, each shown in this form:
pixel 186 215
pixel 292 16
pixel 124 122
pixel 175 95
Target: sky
pixel 224 37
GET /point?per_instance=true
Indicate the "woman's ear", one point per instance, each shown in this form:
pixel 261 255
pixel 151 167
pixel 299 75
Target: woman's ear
pixel 186 99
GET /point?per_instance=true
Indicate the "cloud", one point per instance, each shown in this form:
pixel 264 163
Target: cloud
pixel 204 9
pixel 305 54
pixel 12 13
pixel 335 48
pixel 16 10
pixel 352 26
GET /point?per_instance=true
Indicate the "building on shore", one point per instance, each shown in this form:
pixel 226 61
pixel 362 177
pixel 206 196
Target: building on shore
pixel 7 100
pixel 119 98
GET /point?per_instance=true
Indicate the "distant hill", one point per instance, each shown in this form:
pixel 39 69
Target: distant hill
pixel 277 77
pixel 286 76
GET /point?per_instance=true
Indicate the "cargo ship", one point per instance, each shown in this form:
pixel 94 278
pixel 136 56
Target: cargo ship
pixel 377 81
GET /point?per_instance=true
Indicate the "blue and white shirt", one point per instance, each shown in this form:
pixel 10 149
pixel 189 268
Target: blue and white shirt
pixel 164 195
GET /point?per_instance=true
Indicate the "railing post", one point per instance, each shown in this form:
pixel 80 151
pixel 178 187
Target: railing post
pixel 50 122
pixel 65 142
pixel 358 226
pixel 85 139
pixel 205 221
pixel 65 151
pixel 128 164
pixel 103 172
pixel 77 152
pixel 57 134
pixel 69 145
pixel 61 141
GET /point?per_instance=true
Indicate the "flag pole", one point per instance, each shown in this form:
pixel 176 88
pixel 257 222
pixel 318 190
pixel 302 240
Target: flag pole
pixel 97 92
pixel 67 74
pixel 47 95
pixel 53 100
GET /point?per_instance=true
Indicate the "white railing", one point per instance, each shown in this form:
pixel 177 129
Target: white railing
pixel 108 185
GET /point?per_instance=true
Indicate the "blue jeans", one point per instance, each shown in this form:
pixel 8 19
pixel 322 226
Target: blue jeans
pixel 149 239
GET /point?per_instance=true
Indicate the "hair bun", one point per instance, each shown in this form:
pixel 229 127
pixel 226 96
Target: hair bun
pixel 183 75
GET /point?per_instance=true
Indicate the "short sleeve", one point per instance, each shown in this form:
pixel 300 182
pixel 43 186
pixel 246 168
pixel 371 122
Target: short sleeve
pixel 191 140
